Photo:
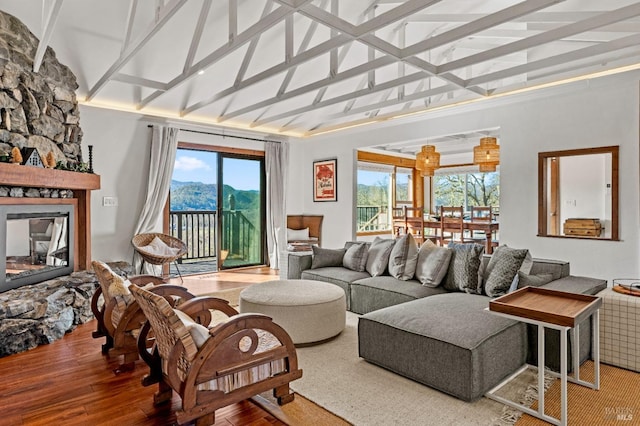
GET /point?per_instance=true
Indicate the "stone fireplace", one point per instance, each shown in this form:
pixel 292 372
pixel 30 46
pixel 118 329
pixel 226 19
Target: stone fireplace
pixel 39 110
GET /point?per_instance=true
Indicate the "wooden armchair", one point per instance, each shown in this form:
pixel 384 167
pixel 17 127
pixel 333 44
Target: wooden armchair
pixel 212 368
pixel 119 316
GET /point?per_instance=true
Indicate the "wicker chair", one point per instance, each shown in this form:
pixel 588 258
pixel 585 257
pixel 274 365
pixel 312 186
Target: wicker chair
pixel 211 368
pixel 142 240
pixel 119 316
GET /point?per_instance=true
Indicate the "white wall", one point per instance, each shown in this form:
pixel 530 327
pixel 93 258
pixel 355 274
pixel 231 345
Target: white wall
pixel 121 143
pixel 578 115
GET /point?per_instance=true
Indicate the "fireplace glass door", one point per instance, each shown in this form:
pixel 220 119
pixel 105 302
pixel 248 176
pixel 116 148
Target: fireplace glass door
pixel 38 246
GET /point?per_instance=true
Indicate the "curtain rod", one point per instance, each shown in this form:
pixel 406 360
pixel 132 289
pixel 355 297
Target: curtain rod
pixel 222 134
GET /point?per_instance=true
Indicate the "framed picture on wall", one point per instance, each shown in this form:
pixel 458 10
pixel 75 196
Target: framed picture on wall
pixel 325 180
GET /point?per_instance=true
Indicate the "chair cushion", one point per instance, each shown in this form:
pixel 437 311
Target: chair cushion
pixel 157 247
pixel 199 333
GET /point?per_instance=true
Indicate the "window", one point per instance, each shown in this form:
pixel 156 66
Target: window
pixel 381 186
pixel 466 189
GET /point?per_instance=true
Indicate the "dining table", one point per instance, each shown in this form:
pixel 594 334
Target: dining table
pixel 485 226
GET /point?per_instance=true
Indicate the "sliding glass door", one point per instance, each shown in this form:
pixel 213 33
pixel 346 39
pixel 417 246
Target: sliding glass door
pixel 241 210
pixel 217 207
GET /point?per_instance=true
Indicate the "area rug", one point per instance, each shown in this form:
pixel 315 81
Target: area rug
pixel 232 295
pixel 617 402
pixel 335 378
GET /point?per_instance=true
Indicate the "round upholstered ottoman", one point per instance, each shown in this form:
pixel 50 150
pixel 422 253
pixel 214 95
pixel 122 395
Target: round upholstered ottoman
pixel 310 311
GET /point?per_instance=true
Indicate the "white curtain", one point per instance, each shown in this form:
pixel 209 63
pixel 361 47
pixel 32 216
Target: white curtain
pixel 164 143
pixel 276 165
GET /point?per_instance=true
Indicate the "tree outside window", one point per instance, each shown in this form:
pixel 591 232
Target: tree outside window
pixel 467 189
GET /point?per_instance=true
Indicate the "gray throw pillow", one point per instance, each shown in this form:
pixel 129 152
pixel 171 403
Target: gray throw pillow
pixel 433 262
pixel 403 258
pixel 525 280
pixel 355 257
pixel 462 274
pixel 501 270
pixel 378 257
pixel 323 257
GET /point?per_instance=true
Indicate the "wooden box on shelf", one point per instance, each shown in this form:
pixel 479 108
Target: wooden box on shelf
pixel 582 227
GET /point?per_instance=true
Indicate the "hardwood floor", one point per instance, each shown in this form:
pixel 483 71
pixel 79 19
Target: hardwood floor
pixel 69 381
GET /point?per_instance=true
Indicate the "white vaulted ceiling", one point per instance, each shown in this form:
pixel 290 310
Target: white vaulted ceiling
pixel 304 67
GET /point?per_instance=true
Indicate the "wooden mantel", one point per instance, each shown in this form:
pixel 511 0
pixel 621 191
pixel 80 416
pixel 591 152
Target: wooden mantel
pixel 80 183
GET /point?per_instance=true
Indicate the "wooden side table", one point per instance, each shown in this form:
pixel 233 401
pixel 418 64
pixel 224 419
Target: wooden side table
pixel 561 311
pixel 620 329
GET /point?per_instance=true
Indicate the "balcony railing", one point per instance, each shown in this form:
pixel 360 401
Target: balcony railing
pixel 198 230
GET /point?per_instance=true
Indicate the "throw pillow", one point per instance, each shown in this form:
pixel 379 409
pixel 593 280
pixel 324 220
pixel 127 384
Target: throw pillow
pixel 525 280
pixel 158 247
pixel 323 257
pixel 462 274
pixel 355 258
pixel 119 286
pixel 199 333
pixel 297 234
pixel 403 258
pixel 433 262
pixel 378 257
pixel 501 270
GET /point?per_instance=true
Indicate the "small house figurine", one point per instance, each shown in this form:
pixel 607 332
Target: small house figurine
pixel 32 158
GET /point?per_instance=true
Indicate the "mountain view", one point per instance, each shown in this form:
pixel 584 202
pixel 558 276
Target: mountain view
pixel 202 196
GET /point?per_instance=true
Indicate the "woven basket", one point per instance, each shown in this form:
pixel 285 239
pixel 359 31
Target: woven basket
pixel 142 240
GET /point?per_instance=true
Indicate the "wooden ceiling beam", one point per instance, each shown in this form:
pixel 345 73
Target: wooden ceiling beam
pixel 197 34
pixel 478 25
pixel 165 15
pixel 543 38
pixel 240 40
pixel 48 25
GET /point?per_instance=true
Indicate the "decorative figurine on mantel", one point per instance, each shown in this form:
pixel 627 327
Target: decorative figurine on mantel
pixel 16 155
pixel 51 160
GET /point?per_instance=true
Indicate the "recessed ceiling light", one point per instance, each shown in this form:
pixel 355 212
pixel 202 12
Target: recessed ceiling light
pixel 200 72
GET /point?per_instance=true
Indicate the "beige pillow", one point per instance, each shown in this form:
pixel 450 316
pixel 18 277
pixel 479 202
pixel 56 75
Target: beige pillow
pixel 119 286
pixel 433 263
pixel 158 247
pixel 199 333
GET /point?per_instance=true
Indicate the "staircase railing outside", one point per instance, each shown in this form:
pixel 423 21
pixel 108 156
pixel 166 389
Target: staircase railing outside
pixel 372 218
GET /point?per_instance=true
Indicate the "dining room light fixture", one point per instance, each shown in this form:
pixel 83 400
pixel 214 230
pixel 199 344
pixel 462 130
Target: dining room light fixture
pixel 427 160
pixel 487 154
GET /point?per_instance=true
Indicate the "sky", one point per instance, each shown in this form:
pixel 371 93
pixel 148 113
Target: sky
pixel 201 166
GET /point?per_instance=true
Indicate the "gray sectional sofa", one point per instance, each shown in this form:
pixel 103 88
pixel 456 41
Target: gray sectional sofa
pixel 443 339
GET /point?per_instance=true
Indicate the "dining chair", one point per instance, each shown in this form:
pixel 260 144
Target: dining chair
pixel 399 220
pixel 414 221
pixel 451 224
pixel 482 214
